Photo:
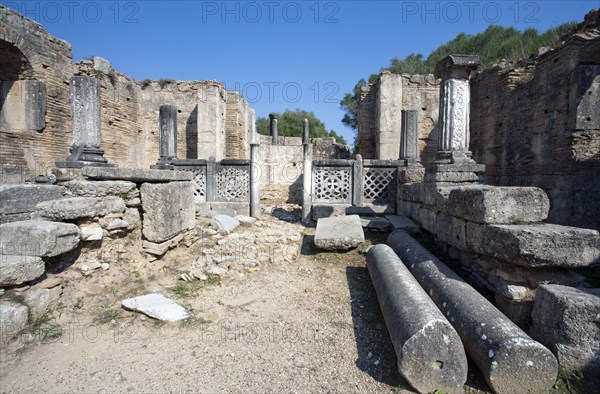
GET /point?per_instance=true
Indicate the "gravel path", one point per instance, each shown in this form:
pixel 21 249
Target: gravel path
pixel 310 324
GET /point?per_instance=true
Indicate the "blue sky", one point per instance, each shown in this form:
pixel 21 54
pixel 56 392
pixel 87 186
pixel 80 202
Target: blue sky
pixel 278 54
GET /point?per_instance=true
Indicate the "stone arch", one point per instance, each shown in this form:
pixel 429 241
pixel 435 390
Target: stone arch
pixel 14 65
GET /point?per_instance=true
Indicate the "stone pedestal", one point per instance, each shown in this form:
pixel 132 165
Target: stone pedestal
pixel 273 128
pixel 453 162
pixel 85 104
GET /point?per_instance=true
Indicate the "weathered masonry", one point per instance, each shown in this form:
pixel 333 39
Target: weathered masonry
pixel 532 123
pixel 37 80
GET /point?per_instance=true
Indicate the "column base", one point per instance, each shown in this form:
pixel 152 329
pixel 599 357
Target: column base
pixel 81 164
pixel 164 163
pixel 412 172
pixel 81 156
pixel 455 173
pixel 453 157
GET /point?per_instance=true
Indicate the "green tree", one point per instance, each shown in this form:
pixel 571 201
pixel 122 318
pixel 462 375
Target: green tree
pixel 291 124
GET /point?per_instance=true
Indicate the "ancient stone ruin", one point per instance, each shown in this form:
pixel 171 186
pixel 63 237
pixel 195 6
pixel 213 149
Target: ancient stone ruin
pixel 471 207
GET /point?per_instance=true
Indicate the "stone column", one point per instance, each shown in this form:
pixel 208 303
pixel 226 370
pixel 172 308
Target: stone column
pixel 273 116
pixel 455 99
pixel 358 189
pixel 85 107
pixel 254 181
pixel 453 161
pixel 306 175
pixel 168 133
pixel 211 179
pixel 412 171
pixel 409 137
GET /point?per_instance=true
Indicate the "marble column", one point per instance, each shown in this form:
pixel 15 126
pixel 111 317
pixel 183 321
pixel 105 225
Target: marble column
pixel 455 100
pixel 453 163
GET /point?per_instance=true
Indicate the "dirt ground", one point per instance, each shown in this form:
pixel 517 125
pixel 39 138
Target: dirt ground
pixel 300 321
pixel 302 324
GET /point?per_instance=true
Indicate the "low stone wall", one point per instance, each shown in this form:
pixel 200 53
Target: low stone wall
pixel 58 226
pixel 499 236
pixel 281 168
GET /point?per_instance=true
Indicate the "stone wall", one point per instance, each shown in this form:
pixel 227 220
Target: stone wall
pixel 35 115
pixel 537 123
pixel 29 53
pixel 499 236
pixel 137 215
pixel 281 167
pixel 380 114
pixel 240 126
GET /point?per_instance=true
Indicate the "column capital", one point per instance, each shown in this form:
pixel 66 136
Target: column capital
pixel 457 66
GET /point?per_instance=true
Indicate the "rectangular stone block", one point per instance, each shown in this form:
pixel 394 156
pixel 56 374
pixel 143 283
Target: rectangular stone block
pixel 375 222
pixel 328 210
pixel 411 192
pixel 99 188
pixel 339 233
pixel 413 173
pixel 79 207
pixel 38 238
pixel 565 319
pixel 18 199
pixel 436 195
pixel 168 210
pixel 15 270
pixel 541 245
pixel 499 205
pixel 407 208
pixel 137 175
pixel 23 105
pixel 210 209
pixel 451 230
pixel 427 217
pixel 371 209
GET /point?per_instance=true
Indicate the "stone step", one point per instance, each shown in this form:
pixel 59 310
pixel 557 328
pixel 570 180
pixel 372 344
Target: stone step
pixel 403 223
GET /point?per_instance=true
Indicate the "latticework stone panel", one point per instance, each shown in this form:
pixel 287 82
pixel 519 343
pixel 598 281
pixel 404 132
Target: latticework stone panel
pixel 199 183
pixel 379 184
pixel 333 185
pixel 233 183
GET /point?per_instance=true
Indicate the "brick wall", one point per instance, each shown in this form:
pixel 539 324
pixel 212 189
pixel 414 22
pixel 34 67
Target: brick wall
pixel 380 120
pixel 129 108
pixel 44 58
pixel 537 124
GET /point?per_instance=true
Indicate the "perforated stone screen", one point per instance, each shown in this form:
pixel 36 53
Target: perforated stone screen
pixel 332 184
pixel 233 183
pixel 379 184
